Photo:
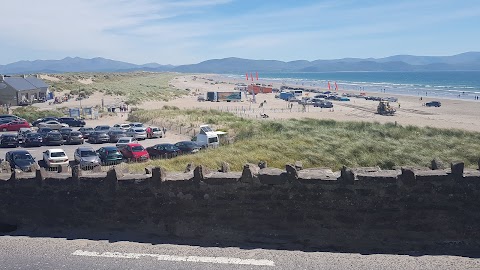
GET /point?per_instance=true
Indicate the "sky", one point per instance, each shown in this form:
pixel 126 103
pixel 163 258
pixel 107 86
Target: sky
pixel 191 31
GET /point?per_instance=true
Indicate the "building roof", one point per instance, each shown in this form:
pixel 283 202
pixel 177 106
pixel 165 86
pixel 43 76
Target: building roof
pixel 24 84
pixel 36 82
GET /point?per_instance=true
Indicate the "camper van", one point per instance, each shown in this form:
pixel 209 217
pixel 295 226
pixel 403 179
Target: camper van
pixel 207 137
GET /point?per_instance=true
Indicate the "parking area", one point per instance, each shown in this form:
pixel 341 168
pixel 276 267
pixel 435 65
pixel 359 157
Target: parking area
pixel 37 152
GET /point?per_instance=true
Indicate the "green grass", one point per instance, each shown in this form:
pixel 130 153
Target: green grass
pixel 31 113
pixel 136 87
pixel 320 143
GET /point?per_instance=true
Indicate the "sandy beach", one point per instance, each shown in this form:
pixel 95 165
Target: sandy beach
pixel 453 114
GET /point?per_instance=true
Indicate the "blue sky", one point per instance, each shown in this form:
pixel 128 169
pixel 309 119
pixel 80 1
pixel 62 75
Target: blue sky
pixel 190 31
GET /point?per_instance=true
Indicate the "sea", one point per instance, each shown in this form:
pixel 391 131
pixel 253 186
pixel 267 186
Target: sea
pixel 445 84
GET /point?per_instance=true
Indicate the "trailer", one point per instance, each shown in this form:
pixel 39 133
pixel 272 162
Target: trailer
pixel 224 96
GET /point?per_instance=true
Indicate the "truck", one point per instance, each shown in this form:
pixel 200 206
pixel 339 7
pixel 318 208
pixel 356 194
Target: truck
pixel 224 96
pixel 286 95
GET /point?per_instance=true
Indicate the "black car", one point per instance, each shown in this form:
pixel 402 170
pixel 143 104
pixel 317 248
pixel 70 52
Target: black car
pixel 33 139
pixel 188 147
pixel 74 137
pixel 98 137
pixel 9 140
pixel 105 128
pixel 44 131
pixel 433 104
pixel 110 155
pixel 20 159
pixel 86 131
pixel 65 131
pixel 163 150
pixel 116 134
pixel 323 104
pixel 72 122
pixel 53 138
pixel 45 119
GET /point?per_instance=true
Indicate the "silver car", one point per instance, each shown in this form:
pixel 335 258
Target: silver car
pixel 52 124
pixel 86 157
pixel 138 133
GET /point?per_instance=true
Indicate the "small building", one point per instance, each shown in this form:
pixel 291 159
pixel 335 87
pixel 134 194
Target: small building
pixel 21 90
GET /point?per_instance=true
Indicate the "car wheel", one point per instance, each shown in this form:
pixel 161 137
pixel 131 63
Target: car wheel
pixel 4 129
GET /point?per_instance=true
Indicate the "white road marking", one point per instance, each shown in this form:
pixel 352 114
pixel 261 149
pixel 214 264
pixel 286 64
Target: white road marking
pixel 173 258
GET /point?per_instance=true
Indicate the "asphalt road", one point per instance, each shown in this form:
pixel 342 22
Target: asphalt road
pixel 27 250
pixel 37 152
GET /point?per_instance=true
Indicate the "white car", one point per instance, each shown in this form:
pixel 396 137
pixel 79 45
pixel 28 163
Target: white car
pixel 124 141
pixel 125 127
pixel 55 158
pixel 156 132
pixel 52 124
pixel 139 133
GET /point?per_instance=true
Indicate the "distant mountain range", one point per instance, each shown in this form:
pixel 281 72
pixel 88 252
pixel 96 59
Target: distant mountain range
pixel 464 61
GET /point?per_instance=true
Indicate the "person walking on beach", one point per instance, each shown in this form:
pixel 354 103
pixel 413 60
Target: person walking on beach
pixel 164 129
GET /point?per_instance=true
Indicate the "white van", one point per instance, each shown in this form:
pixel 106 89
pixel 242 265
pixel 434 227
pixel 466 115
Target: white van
pixel 207 137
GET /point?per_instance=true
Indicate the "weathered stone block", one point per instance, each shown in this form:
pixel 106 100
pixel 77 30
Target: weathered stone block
pixel 298 165
pixel 292 174
pixel 220 178
pixel 199 173
pixel 190 167
pixel 249 173
pixel 40 175
pixel 437 164
pixel 346 176
pixel 318 176
pixel 457 168
pixel 408 177
pixel 158 176
pixel 262 164
pixel 225 167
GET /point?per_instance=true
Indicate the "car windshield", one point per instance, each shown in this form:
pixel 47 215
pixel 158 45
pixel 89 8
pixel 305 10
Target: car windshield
pixel 23 156
pixel 88 153
pixel 139 130
pixel 57 154
pixel 137 148
pixel 123 141
pixel 155 129
pixel 30 135
pixel 169 147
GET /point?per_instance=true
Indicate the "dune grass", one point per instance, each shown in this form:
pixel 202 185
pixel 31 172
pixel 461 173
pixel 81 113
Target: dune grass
pixel 321 143
pixel 136 87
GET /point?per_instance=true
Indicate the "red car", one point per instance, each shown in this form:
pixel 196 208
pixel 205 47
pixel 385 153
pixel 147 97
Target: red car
pixel 15 125
pixel 134 152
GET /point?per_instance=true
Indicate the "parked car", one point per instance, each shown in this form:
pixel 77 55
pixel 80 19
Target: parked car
pixel 55 158
pixel 110 155
pixel 20 159
pixel 433 104
pixel 188 147
pixel 154 132
pixel 86 131
pixel 33 139
pixel 134 152
pixel 15 125
pixel 124 141
pixel 166 150
pixel 122 126
pixel 72 122
pixel 102 128
pixel 44 131
pixel 138 133
pixel 98 137
pixel 52 124
pixel 9 140
pixel 65 131
pixel 323 104
pixel 45 119
pixel 53 138
pixel 74 137
pixel 116 134
pixel 136 124
pixel 86 157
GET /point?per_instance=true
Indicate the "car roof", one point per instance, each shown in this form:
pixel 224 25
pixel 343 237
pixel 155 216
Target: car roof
pixel 134 144
pixel 18 152
pixel 85 148
pixel 56 150
pixel 110 147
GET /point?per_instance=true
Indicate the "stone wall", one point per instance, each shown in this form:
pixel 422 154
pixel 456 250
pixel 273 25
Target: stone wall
pixel 361 208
